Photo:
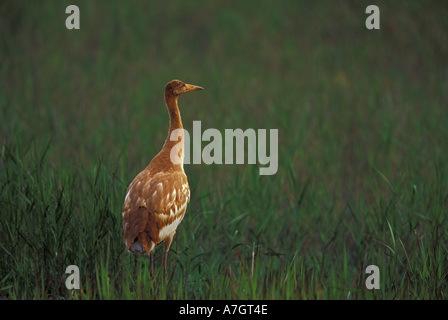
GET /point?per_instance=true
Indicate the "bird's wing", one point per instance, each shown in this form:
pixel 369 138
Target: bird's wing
pixel 164 196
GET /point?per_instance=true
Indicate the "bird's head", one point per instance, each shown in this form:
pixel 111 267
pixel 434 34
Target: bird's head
pixel 177 87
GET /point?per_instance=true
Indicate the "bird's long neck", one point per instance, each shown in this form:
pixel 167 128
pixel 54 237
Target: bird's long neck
pixel 176 128
pixel 173 110
pixel 175 119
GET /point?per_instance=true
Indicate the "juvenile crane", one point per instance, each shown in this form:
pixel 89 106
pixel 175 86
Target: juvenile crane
pixel 157 198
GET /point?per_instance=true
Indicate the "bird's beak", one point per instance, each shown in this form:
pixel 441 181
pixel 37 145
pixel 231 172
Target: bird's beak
pixel 191 87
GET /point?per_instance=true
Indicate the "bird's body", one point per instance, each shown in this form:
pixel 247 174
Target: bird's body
pixel 157 198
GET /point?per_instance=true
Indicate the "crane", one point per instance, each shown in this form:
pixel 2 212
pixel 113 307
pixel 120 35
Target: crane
pixel 157 198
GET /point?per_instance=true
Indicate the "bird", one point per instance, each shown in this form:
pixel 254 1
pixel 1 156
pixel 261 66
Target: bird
pixel 156 200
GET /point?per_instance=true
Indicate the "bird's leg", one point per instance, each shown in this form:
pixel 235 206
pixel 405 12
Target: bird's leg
pixel 167 244
pixel 151 263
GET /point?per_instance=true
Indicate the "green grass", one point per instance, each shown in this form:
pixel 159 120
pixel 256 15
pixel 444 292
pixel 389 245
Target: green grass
pixel 363 130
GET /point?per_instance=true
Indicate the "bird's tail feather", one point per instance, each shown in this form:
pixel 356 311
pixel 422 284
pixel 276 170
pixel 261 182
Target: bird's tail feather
pixel 137 240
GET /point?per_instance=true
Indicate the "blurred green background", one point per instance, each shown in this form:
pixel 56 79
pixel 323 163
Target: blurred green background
pixel 362 118
pixel 340 95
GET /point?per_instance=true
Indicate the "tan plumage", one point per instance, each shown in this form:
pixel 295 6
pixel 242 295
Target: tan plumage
pixel 157 198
